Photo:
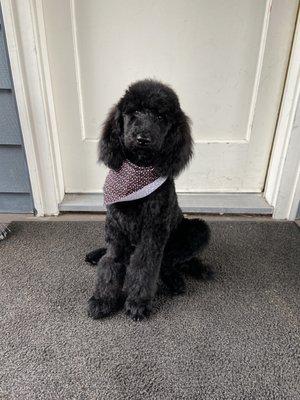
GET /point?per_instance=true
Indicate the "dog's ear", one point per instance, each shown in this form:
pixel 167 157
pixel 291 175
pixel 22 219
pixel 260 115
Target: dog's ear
pixel 110 148
pixel 178 147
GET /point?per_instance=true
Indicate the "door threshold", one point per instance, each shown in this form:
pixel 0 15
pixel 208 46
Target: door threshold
pixel 208 203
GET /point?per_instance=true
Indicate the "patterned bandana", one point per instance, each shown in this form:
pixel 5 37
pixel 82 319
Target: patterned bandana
pixel 130 182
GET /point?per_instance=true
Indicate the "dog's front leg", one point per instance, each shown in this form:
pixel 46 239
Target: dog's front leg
pixel 110 278
pixel 142 274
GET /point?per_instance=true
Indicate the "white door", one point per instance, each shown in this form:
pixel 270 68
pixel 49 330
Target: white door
pixel 226 59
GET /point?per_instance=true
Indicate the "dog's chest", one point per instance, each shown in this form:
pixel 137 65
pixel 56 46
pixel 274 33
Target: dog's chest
pixel 130 219
pixel 135 219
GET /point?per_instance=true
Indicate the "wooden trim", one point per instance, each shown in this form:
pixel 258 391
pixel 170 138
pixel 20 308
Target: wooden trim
pixel 23 107
pixel 259 68
pixel 295 197
pixel 26 49
pixel 53 131
pixel 282 176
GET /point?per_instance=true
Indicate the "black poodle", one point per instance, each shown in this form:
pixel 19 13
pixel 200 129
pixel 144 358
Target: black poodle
pixel 148 239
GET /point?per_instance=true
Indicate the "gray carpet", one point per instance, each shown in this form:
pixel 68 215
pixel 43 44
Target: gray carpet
pixel 234 338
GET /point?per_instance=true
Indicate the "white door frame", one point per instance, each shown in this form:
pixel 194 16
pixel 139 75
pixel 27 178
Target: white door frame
pixel 25 33
pixel 282 189
pixel 26 42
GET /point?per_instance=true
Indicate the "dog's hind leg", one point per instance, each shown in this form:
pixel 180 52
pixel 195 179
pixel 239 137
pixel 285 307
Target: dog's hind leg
pixel 94 256
pixel 187 240
pixel 172 278
pixel 181 255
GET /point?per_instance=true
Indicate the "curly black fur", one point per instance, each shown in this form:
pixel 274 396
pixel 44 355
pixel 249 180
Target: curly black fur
pixel 149 238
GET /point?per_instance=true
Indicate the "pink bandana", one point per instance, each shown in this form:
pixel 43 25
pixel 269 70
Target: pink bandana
pixel 130 182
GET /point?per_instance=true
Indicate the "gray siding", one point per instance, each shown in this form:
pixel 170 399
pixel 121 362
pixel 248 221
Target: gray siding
pixel 16 203
pixel 13 170
pixel 15 192
pixel 5 80
pixel 9 127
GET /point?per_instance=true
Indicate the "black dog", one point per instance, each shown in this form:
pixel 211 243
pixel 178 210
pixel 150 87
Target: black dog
pixel 147 239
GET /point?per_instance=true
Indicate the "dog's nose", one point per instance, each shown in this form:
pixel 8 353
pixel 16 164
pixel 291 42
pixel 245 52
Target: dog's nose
pixel 142 140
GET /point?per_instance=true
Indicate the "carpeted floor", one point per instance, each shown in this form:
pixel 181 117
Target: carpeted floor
pixel 234 338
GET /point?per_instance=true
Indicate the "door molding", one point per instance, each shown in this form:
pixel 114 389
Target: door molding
pixel 282 189
pixel 26 42
pixel 27 46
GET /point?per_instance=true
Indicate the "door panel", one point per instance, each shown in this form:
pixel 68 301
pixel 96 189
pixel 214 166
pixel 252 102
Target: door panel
pixel 178 47
pixel 226 60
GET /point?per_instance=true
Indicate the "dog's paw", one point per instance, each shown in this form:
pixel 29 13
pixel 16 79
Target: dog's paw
pixel 99 308
pixel 204 273
pixel 198 270
pixel 90 260
pixel 94 256
pixel 207 273
pixel 137 310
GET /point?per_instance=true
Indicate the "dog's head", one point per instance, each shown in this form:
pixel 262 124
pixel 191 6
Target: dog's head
pixel 148 127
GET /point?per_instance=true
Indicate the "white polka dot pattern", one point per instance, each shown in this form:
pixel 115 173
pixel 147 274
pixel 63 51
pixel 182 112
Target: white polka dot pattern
pixel 130 182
